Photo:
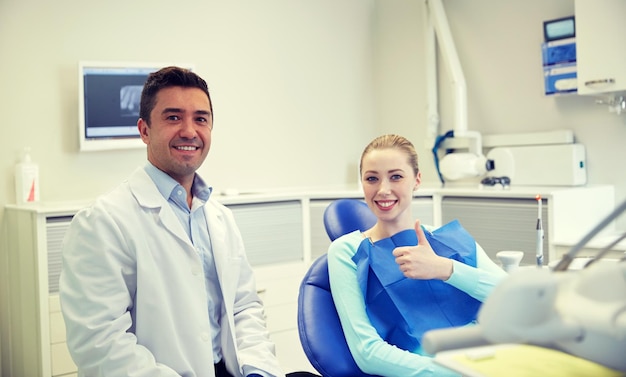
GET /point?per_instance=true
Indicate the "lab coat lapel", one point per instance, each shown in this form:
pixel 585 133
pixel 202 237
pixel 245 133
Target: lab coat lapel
pixel 218 244
pixel 149 197
pixel 228 275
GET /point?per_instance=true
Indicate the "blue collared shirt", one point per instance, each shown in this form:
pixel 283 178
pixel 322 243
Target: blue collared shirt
pixel 194 222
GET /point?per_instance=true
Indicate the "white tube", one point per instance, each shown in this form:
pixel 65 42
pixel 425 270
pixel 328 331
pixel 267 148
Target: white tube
pixel 432 95
pixel 448 51
pixel 474 144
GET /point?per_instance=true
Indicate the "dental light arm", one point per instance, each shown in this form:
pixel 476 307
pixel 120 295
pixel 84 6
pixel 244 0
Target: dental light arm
pixel 452 166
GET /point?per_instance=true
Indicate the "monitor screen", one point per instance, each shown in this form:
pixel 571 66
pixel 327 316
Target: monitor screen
pixel 109 95
pixel 560 28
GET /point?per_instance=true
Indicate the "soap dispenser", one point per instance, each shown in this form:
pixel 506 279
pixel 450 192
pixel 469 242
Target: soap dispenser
pixel 26 179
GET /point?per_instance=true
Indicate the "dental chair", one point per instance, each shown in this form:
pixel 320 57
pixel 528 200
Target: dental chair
pixel 343 216
pixel 319 328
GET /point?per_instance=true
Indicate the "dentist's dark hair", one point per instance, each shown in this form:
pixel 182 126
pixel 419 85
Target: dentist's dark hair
pixel 165 78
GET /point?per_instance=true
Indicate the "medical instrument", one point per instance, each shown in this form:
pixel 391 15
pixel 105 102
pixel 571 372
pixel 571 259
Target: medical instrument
pixel 539 247
pixel 492 181
pixel 542 307
pixel 540 165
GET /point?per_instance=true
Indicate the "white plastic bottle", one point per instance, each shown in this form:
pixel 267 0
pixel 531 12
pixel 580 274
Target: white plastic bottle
pixel 26 180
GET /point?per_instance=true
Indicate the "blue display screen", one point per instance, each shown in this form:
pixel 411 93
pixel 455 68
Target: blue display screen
pixel 559 29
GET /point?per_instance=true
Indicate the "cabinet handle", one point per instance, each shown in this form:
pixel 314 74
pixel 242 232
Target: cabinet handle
pixel 600 82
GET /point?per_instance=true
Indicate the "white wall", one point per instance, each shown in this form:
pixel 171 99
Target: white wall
pixel 290 81
pixel 499 46
pixel 505 82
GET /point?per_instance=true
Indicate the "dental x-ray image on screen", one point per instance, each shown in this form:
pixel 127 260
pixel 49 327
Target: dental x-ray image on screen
pixel 109 97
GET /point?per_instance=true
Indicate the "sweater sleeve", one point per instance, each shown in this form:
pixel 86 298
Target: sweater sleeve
pixel 477 282
pixel 371 353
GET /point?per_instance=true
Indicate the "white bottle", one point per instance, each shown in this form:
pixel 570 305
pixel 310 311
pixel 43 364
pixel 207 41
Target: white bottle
pixel 26 180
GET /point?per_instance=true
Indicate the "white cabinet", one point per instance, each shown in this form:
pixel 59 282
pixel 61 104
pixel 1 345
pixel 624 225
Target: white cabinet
pixel 278 287
pixel 507 219
pixel 601 56
pixel 273 232
pixel 282 234
pixel 500 223
pixel 36 328
pixel 60 360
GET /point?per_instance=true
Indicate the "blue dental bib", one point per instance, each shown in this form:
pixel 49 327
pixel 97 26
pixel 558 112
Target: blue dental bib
pixel 403 309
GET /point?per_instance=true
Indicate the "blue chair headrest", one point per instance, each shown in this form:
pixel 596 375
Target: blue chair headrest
pixel 343 216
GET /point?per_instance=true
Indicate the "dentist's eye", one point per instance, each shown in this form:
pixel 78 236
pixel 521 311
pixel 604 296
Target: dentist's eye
pixel 396 177
pixel 371 179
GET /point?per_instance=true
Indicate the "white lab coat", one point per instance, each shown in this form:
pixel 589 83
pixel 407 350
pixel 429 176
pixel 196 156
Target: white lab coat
pixel 133 294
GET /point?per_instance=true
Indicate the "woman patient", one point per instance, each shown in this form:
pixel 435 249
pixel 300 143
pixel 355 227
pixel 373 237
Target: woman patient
pixel 399 279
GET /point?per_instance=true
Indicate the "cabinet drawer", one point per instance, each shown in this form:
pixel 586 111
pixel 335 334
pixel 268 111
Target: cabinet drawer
pixel 279 291
pixel 279 284
pixel 57 324
pixel 61 360
pixel 282 317
pixel 57 328
pixel 271 232
pixel 500 224
pixel 290 353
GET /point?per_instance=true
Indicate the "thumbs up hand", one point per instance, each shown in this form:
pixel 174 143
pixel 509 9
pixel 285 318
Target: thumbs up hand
pixel 420 261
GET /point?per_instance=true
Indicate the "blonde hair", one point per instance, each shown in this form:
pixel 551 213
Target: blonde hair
pixel 391 141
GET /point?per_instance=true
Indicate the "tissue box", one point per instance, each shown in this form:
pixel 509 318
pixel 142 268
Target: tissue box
pixel 560 78
pixel 559 52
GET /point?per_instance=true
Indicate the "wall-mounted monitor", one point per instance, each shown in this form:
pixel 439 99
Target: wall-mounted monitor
pixel 108 103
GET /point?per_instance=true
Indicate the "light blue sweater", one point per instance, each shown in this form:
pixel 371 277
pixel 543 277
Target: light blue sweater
pixel 371 353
